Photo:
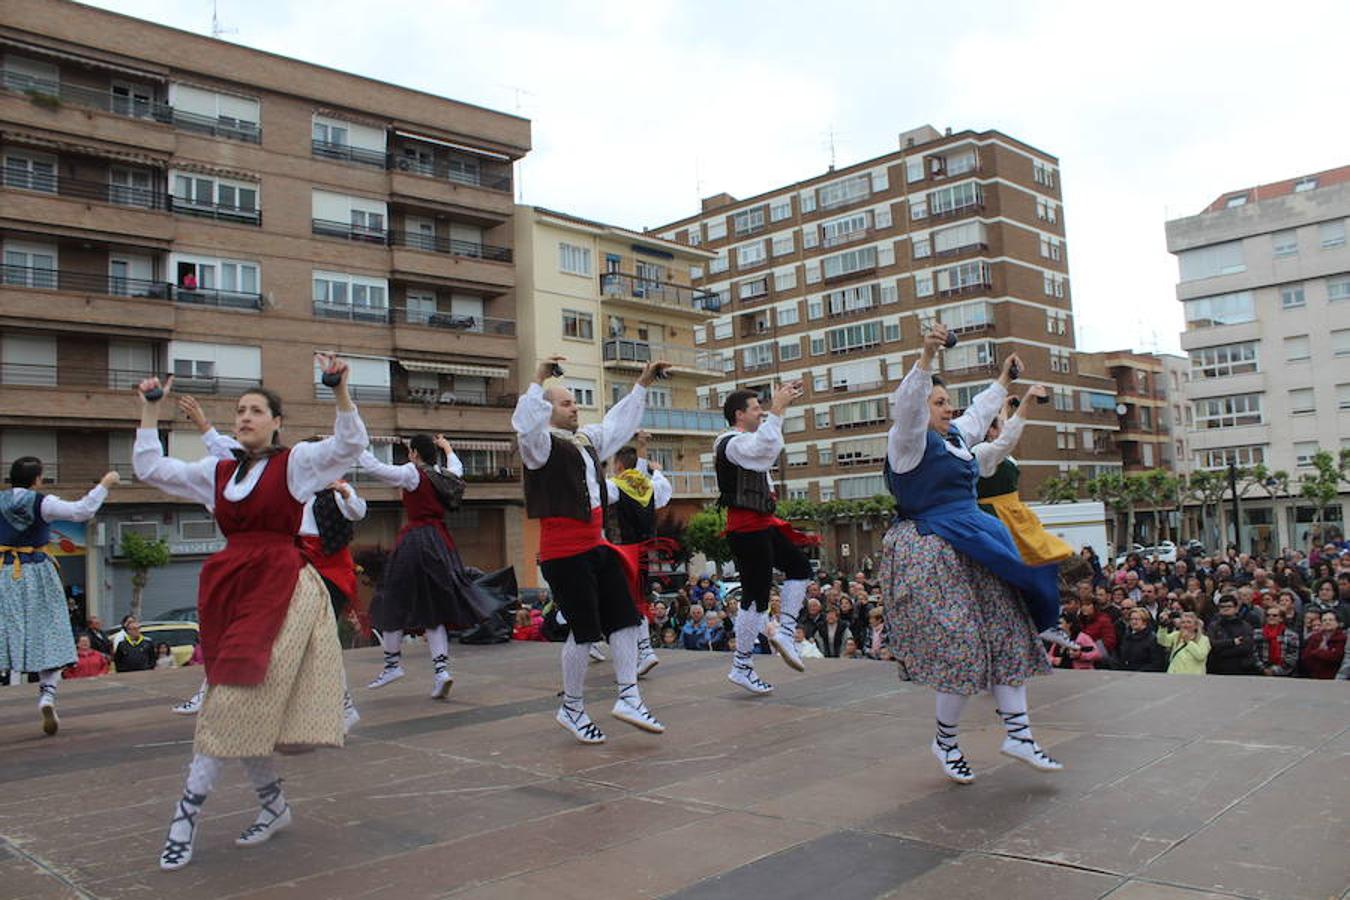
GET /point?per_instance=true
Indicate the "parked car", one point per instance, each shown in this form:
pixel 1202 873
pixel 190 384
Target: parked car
pixel 181 614
pixel 1163 552
pixel 181 637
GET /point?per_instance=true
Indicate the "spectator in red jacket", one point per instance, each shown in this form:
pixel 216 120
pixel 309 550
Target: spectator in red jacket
pixel 1324 650
pixel 89 663
pixel 529 625
pixel 1096 623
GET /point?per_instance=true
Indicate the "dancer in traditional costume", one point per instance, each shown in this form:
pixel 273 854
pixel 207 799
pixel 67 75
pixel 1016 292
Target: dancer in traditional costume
pixel 950 574
pixel 325 532
pixel 594 583
pixel 424 586
pixel 760 541
pixel 35 631
pixel 636 491
pixel 273 662
pixel 997 489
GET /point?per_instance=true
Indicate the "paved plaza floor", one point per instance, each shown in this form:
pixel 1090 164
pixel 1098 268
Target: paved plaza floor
pixel 1176 787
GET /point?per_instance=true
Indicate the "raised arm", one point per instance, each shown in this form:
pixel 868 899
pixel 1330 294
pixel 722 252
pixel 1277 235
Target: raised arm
pixel 453 464
pixel 990 454
pixel 623 421
pixel 349 502
pixel 975 421
pixel 316 464
pixel 218 445
pixel 758 450
pixel 55 509
pixel 195 481
pixel 530 421
pixel 661 489
pixel 405 476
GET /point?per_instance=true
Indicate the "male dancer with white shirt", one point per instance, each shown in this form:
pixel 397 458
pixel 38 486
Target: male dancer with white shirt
pixel 593 582
pixel 760 542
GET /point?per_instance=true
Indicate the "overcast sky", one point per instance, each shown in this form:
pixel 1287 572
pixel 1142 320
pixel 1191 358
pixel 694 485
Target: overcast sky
pixel 641 107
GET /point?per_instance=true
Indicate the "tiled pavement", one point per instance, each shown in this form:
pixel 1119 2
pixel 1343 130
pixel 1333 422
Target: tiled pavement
pixel 1175 788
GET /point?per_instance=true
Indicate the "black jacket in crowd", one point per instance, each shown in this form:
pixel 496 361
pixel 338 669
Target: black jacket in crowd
pixel 1141 652
pixel 1226 655
pixel 137 658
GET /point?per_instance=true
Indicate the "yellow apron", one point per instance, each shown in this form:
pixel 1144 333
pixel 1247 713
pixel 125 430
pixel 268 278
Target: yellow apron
pixel 1036 545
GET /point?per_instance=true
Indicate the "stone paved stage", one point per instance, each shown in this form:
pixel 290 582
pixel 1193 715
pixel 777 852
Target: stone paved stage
pixel 1175 788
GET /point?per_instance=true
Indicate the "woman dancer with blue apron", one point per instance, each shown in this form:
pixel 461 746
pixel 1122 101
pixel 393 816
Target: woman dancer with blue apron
pixel 950 573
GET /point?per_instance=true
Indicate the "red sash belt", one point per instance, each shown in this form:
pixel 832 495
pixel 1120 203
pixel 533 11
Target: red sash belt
pixel 739 520
pixel 338 568
pixel 561 537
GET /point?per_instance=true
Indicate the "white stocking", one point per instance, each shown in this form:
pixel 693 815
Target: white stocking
pixel 790 600
pixel 1011 703
pixel 949 707
pixel 575 659
pixel 438 642
pixel 623 645
pixel 748 625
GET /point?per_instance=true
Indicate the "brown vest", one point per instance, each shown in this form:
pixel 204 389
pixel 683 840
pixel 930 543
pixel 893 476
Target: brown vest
pixel 559 487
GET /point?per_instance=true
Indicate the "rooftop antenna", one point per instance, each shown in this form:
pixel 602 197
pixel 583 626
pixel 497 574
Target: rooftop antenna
pixel 518 92
pixel 830 134
pixel 216 29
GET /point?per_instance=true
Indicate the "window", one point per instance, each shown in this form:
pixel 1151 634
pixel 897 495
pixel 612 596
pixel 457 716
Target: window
pixel 337 137
pixel 1301 401
pixel 1331 234
pixel 817 346
pixel 1343 396
pixel 810 237
pixel 196 366
pixel 851 261
pixel 1056 321
pixel 1228 412
pixel 1235 201
pixel 233 115
pixel 204 192
pixel 583 390
pixel 958 238
pixel 578 325
pixel 30 171
pixel 954 199
pixel 1211 261
pixel 815 308
pixel 1063 401
pixel 966 276
pixel 840 231
pixel 718 263
pixel 785 281
pixel 694 235
pixel 923 285
pixel 1305 184
pixel 1220 457
pixel 883 218
pixel 780 209
pixel 757 288
pixel 822 421
pixel 977 355
pixel 1047 210
pixel 573 259
pixel 131 187
pixel 1224 360
pixel 1064 437
pixel 849 300
pixel 914 169
pixel 757 356
pixel 722 329
pixel 1285 243
pixel 27 359
pixel 695 273
pixel 1291 296
pixel 1050 247
pixel 790 350
pixel 854 337
pixel 1297 348
pixel 1304 451
pixel 1043 173
pixel 1340 342
pixel 922 247
pixel 783 244
pixel 890 327
pixel 717 229
pixel 30 265
pixel 1060 361
pixel 351 296
pixel 794 422
pixel 700 334
pixel 844 192
pixel 796 457
pixel 1220 309
pixel 369 380
pixel 1338 288
pixel 787 313
pixel 750 255
pixel 860 412
pixel 748 222
pixel 966 316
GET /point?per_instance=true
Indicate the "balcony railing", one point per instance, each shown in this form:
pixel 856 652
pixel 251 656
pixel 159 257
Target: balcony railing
pixel 213 385
pixel 116 286
pixel 963 290
pixel 684 484
pixel 455 321
pixel 366 393
pixel 458 397
pixel 643 352
pixel 957 211
pixel 436 244
pixel 42 90
pixel 371 314
pixel 218 211
pixel 51 469
pixel 118 195
pixel 659 419
pixel 348 153
pixel 329 228
pixel 39 375
pixel 493 176
pixel 618 284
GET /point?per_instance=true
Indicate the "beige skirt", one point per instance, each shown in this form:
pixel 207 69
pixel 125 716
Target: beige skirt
pixel 299 704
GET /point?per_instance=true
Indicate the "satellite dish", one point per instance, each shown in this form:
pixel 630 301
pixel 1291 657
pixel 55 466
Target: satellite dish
pixel 1121 409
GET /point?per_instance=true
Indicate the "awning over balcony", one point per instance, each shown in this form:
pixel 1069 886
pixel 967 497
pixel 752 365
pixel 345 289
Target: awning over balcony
pixel 83 59
pixel 418 365
pixel 476 151
pixel 481 445
pixel 102 150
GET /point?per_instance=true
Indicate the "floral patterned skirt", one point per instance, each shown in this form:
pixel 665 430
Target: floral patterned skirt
pixel 954 625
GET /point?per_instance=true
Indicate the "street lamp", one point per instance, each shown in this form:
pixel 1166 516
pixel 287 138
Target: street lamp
pixel 1237 507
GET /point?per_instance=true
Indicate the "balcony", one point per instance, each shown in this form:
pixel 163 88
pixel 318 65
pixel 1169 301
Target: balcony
pixel 116 286
pixel 117 195
pixel 482 174
pixel 620 286
pixel 434 244
pixel 350 232
pixel 622 352
pixel 459 397
pixel 88 377
pixel 370 315
pixel 217 211
pixel 692 484
pixel 456 322
pixel 43 92
pixel 348 153
pixel 957 212
pixel 689 421
pixel 965 290
pixel 220 126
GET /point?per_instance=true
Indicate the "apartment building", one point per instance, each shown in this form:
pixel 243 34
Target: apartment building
pixel 611 300
pixel 1148 408
pixel 832 280
pixel 1264 278
pixel 174 203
